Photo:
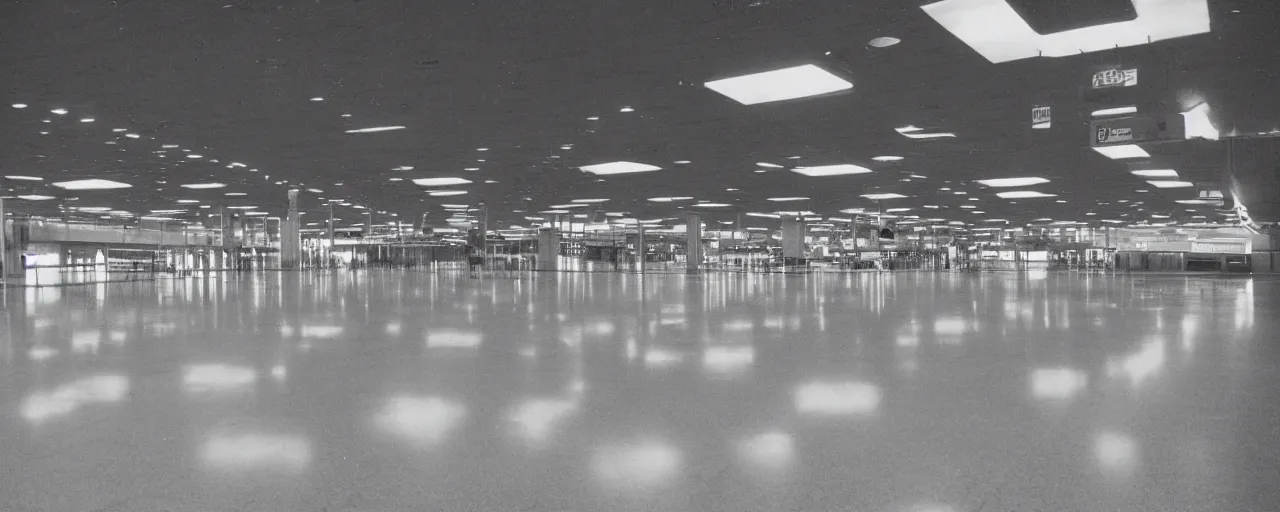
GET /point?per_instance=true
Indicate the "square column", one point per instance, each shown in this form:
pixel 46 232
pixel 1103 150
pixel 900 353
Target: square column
pixel 642 250
pixel 290 241
pixel 792 238
pixel 693 242
pixel 548 249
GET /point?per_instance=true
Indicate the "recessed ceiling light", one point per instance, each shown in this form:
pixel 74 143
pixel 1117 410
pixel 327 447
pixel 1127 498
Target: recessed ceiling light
pixel 1122 152
pixel 878 197
pixel 831 170
pixel 472 169
pixel 19 105
pixel 59 111
pixel 201 186
pixel 896 210
pixel 711 205
pixel 764 215
pixel 781 84
pixel 241 207
pixel 86 119
pixel 912 132
pixel 768 165
pixel 683 162
pixel 25 178
pixel 404 168
pixel 194 156
pixel 554 211
pixel 1023 194
pixel 1155 173
pixel 1117 111
pixel 1171 184
pixel 994 29
pixel 482 149
pixel 188 201
pixel 490 181
pixel 443 193
pixel 132 135
pixel 883 42
pixel 669 199
pixel 396 179
pixel 91 184
pixel 887 158
pixel 35 197
pixel 1013 182
pixel 589 201
pixel 786 199
pixel 235 194
pixel 314 191
pixel 346 115
pixel 317 98
pixel 593 118
pixel 376 129
pixel 440 182
pixel 626 109
pixel 618 168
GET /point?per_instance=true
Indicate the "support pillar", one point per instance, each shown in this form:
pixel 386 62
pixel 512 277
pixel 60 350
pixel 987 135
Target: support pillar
pixel 548 249
pixel 10 268
pixel 693 243
pixel 792 239
pixel 642 250
pixel 290 241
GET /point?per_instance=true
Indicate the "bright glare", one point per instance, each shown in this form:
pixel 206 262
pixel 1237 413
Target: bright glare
pixel 831 170
pixel 879 197
pixel 618 168
pixel 1023 194
pixel 1013 182
pixel 640 465
pixel 1118 111
pixel 1122 152
pixel 376 129
pixel 841 398
pixel 91 184
pixel 440 182
pixel 1197 123
pixel 1171 184
pixel 422 421
pixel 1155 173
pixel 1057 383
pixel 202 186
pixel 782 84
pixel 768 165
pixel 217 377
pixel 996 31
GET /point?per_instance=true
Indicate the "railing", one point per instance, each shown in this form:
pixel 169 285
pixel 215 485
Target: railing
pixel 90 233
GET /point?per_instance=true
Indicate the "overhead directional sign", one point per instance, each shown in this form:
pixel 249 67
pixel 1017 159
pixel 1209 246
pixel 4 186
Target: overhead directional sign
pixel 1041 118
pixel 1135 130
pixel 1109 78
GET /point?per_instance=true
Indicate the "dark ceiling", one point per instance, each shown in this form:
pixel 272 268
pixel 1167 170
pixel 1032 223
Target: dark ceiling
pixel 233 81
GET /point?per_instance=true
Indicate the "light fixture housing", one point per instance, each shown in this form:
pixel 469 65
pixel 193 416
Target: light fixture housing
pixel 440 182
pixel 831 170
pixel 1122 152
pixel 1013 182
pixel 780 84
pixel 91 184
pixel 1023 194
pixel 620 167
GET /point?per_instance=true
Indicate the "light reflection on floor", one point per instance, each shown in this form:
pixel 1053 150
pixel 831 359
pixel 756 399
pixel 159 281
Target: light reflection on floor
pixel 385 390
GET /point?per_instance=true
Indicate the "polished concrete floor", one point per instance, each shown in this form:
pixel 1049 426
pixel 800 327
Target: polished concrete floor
pixel 388 390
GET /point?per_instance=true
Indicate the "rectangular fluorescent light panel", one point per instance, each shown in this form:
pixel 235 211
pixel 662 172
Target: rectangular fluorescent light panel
pixel 91 184
pixel 831 170
pixel 996 31
pixel 878 197
pixel 618 168
pixel 1118 111
pixel 1155 173
pixel 440 182
pixel 912 132
pixel 781 84
pixel 1023 194
pixel 786 199
pixel 1013 182
pixel 1122 152
pixel 1171 184
pixel 376 129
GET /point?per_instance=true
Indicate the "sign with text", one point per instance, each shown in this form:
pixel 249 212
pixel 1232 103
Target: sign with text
pixel 1109 78
pixel 1134 130
pixel 1041 117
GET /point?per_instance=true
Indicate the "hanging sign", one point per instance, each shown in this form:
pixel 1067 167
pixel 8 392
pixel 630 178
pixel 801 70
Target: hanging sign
pixel 1040 118
pixel 1109 78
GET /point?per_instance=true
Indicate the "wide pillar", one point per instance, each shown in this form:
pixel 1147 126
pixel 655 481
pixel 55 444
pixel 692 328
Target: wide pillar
pixel 290 240
pixel 10 253
pixel 792 238
pixel 548 249
pixel 642 249
pixel 693 242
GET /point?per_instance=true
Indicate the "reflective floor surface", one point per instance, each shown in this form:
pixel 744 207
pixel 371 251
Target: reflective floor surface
pixel 388 390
